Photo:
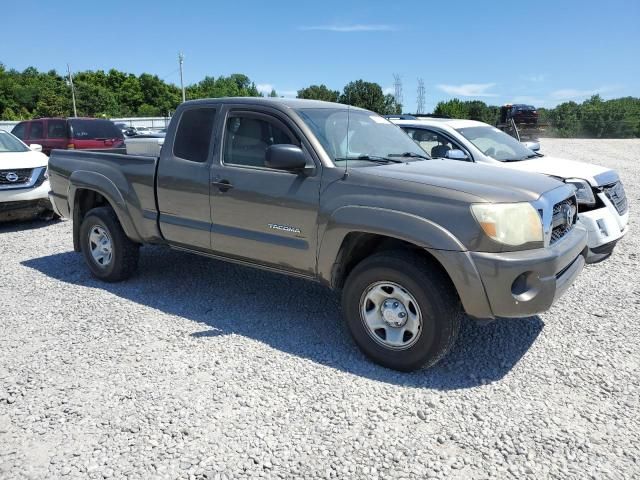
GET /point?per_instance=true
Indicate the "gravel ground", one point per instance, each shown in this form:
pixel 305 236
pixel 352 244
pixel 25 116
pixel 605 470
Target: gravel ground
pixel 199 369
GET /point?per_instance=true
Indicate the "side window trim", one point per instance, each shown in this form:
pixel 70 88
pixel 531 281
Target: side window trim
pixel 260 115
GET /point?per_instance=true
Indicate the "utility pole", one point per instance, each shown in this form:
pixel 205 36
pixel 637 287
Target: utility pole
pixel 397 86
pixel 181 60
pixel 420 106
pixel 73 91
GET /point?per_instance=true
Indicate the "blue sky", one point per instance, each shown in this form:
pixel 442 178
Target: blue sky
pixel 540 52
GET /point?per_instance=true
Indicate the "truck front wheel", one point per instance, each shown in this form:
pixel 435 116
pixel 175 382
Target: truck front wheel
pixel 109 253
pixel 401 310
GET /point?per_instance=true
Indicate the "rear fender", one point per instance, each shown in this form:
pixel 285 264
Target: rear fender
pixel 82 179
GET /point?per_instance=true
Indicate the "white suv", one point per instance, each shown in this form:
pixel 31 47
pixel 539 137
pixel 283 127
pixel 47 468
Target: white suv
pixel 24 183
pixel 602 203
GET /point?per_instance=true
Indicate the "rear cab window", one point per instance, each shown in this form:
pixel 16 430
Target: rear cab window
pixel 94 129
pixel 193 137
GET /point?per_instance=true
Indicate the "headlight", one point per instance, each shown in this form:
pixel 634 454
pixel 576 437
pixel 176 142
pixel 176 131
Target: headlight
pixel 584 193
pixel 509 223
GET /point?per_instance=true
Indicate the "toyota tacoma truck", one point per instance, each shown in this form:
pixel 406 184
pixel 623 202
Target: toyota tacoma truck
pixel 338 195
pixel 603 205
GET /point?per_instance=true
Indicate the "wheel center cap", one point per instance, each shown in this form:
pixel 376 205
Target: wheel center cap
pixel 393 312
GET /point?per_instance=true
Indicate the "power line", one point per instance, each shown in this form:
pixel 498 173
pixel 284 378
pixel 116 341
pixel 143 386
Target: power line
pixel 397 86
pixel 420 101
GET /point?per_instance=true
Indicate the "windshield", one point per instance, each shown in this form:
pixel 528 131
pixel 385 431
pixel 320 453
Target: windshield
pixel 496 144
pixel 94 129
pixel 370 137
pixel 9 143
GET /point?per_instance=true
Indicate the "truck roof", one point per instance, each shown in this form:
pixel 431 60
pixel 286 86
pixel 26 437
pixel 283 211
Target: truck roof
pixel 282 102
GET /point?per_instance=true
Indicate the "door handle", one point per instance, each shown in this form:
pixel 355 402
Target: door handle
pixel 223 185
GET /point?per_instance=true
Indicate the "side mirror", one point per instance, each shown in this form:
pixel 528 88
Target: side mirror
pixel 285 157
pixel 455 154
pixel 535 146
pixel 36 147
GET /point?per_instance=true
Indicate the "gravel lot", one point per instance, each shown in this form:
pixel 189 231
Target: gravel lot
pixel 199 369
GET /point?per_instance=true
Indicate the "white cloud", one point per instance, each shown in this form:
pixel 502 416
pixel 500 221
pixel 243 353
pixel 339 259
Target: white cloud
pixel 570 93
pixel 389 90
pixel 469 89
pixel 264 88
pixel 358 27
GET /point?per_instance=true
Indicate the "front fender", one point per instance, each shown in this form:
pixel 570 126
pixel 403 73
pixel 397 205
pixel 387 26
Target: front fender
pixel 391 223
pixel 82 179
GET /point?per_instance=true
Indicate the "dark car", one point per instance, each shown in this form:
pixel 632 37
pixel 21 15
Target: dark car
pixel 521 114
pixel 70 133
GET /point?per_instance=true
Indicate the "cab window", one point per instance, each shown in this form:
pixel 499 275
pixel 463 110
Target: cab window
pixel 247 138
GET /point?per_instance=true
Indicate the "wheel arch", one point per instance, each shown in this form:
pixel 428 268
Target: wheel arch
pixel 352 230
pixel 89 190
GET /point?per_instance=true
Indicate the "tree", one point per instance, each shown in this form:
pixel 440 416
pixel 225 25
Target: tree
pixel 273 93
pixel 369 95
pixel 319 92
pixel 452 108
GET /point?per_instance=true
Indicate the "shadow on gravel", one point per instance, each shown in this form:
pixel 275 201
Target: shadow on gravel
pixel 21 225
pixel 297 317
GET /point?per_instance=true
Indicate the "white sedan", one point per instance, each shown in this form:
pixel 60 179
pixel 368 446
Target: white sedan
pixel 24 182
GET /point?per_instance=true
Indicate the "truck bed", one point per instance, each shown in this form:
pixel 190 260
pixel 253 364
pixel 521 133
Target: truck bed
pixel 127 181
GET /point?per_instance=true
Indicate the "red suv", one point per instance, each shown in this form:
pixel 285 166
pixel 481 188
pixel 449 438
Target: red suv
pixel 66 133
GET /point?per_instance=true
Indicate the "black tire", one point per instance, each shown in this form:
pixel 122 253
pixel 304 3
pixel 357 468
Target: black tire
pixel 124 252
pixel 434 293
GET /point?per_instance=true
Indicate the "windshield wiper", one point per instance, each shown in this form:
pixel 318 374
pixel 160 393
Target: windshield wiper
pixel 409 155
pixel 533 155
pixel 371 158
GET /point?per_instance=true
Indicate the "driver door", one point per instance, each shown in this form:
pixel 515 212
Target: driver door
pixel 259 214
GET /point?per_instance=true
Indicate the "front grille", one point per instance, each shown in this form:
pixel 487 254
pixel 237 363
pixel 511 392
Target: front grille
pixel 565 214
pixel 22 174
pixel 615 193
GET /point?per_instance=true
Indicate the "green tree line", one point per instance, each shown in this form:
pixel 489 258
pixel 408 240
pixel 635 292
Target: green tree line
pixel 593 118
pixel 32 93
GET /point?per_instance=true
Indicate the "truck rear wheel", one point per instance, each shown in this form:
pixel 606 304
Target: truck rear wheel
pixel 109 253
pixel 402 311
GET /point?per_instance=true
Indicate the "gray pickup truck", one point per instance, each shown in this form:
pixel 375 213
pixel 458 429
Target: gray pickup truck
pixel 338 195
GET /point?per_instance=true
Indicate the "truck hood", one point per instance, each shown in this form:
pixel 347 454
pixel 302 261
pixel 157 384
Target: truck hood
pixel 15 160
pixel 559 167
pixel 486 182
